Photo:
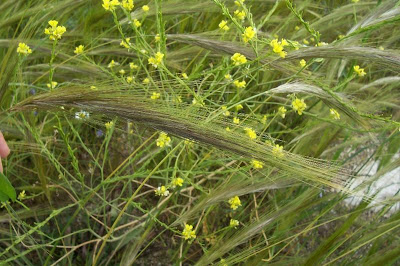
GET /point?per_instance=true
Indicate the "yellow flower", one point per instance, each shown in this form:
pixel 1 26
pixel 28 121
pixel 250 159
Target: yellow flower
pixel 133 66
pixel 188 232
pixel 93 87
pixel 238 107
pixel 228 129
pixel 79 50
pixel 236 120
pixel 239 3
pixel 156 60
pixel 122 72
pixel 234 223
pixel 228 77
pixel 52 85
pixel 109 125
pixel 234 202
pixel 185 76
pixel 55 32
pixel 248 34
pixel 162 191
pixel 297 28
pixel 360 71
pixel 112 64
pixel 334 114
pixel 303 63
pixel 198 102
pixel 321 44
pixel 129 79
pixel 264 120
pixel 277 151
pixel 177 182
pixel 145 8
pixel 137 23
pixel 306 42
pixel 23 49
pixel 163 140
pixel 146 81
pixel 128 4
pixel 250 132
pixel 238 59
pixel 240 14
pixel 223 25
pixel 225 109
pixel 110 5
pixel 21 195
pixel 341 36
pixel 282 111
pixel 278 46
pixel 126 43
pixel 155 96
pixel 299 105
pixel 257 164
pixel 239 84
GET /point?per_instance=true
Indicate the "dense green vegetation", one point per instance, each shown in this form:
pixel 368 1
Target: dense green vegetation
pixel 189 132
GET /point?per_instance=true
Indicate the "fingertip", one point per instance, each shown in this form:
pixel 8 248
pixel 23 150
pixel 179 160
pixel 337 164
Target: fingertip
pixel 4 149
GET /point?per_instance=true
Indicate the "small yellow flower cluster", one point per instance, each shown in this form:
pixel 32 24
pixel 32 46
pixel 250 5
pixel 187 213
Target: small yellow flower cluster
pixel 238 59
pixel 112 64
pixel 162 191
pixel 278 46
pixel 248 34
pixel 239 3
pixel 163 140
pixel 264 120
pixel 234 223
pixel 122 72
pixel 133 66
pixel 299 105
pixel 239 84
pixel 277 151
pixel 223 25
pixel 303 63
pixel 155 96
pixel 250 133
pixel 22 195
pixel 238 107
pixel 176 182
pixel 236 120
pixel 282 111
pixel 228 77
pixel 145 8
pixel 54 31
pixel 257 164
pixel 52 85
pixel 240 14
pixel 79 49
pixel 137 23
pixel 360 71
pixel 188 232
pixel 110 5
pixel 146 81
pixel 156 60
pixel 126 43
pixel 225 109
pixel 185 76
pixel 23 49
pixel 234 202
pixel 128 4
pixel 109 125
pixel 129 79
pixel 334 114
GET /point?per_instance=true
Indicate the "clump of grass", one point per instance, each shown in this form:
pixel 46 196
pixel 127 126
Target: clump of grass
pixel 202 133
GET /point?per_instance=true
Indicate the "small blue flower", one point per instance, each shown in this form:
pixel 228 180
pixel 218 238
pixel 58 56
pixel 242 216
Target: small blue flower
pixel 99 133
pixel 32 91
